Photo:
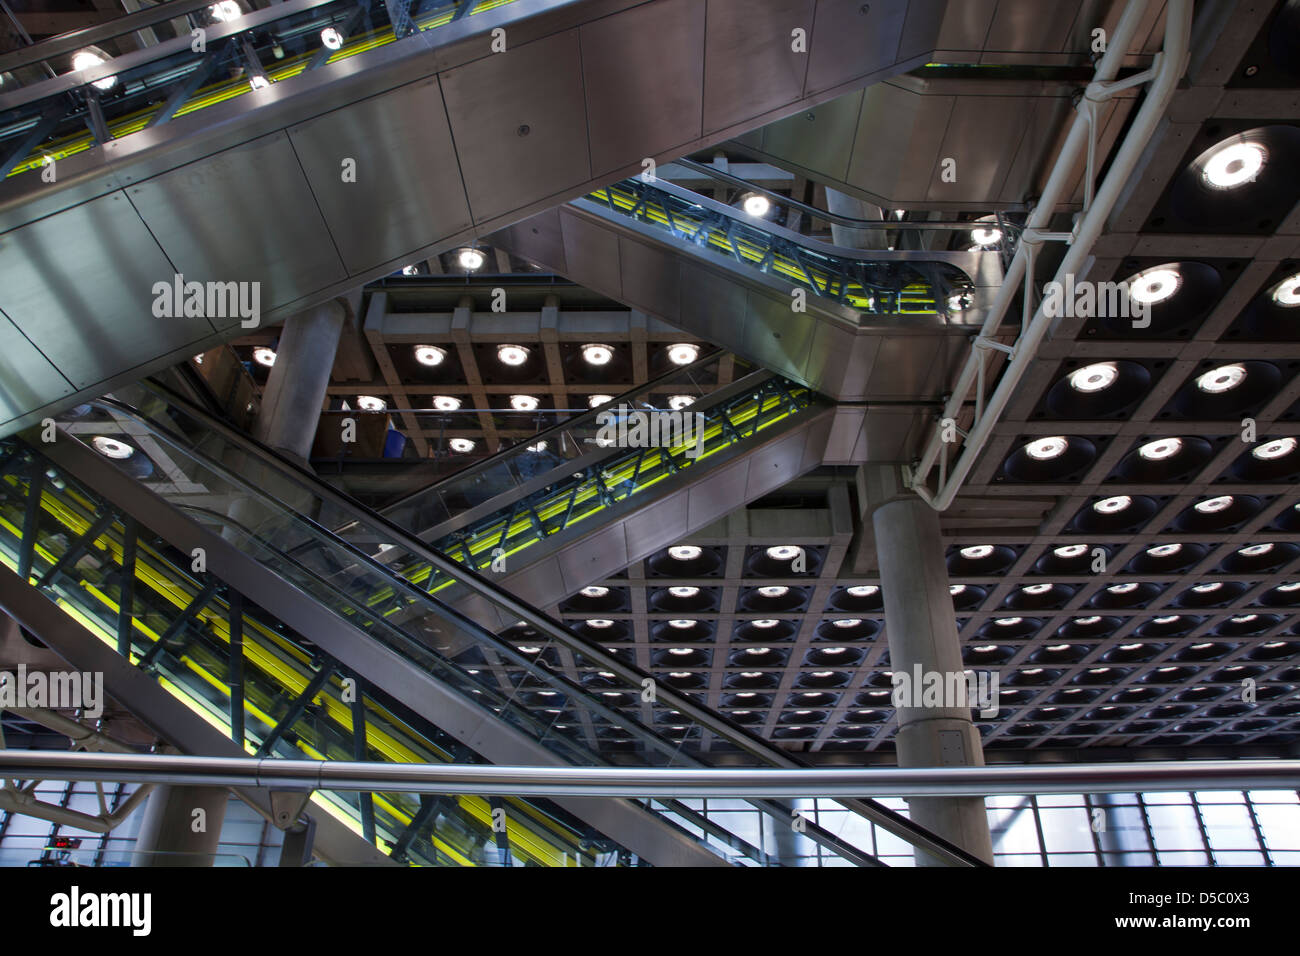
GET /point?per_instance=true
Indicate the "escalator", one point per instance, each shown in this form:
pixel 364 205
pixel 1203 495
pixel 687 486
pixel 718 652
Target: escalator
pixel 882 325
pixel 326 143
pixel 264 529
pixel 89 529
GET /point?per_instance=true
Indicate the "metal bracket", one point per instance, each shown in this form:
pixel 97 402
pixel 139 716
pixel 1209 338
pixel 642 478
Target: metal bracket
pixel 287 806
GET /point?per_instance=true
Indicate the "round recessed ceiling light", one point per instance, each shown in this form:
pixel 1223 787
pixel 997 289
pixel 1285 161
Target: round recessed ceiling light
pixel 1037 588
pixel 774 591
pixel 678 402
pixel 1154 286
pixel 1255 550
pixel 1221 379
pixel 371 403
pixel 1287 292
pixel 111 447
pixel 225 11
pixel 264 356
pixel 1214 505
pixel 1070 550
pixel 986 648
pixel 595 591
pixel 1090 619
pixel 1112 505
pixel 976 552
pixel 955 589
pixel 784 552
pixel 863 590
pixel 1278 448
pixel 524 403
pixel 597 354
pixel 1293 586
pixel 756 205
pixel 595 401
pixel 986 235
pixel 846 622
pixel 1008 621
pixel 429 355
pixel 1207 588
pixel 1244 618
pixel 1164 550
pixel 684 591
pixel 685 552
pixel 446 403
pixel 1234 164
pixel 600 623
pixel 681 651
pixel 512 354
pixel 683 353
pixel 1126 588
pixel 681 623
pixel 1045 449
pixel 1166 619
pixel 765 623
pixel 1161 448
pixel 1094 378
pixel 331 39
pixel 470 259
pixel 461 445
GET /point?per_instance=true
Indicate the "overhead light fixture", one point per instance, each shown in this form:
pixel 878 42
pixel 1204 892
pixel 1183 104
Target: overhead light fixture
pixel 264 356
pixel 430 355
pixel 1070 550
pixel 681 651
pixel 774 591
pixel 594 591
pixel 678 402
pixel 537 446
pixel 685 552
pixel 1045 449
pixel 112 448
pixel 1127 587
pixel 411 270
pixel 846 622
pixel 1095 377
pixel 1288 588
pixel 597 354
pixel 1008 621
pixel 1214 505
pixel 331 39
pixel 91 57
pixel 1166 619
pixel 756 205
pixel 1278 448
pixel 1233 164
pixel 1207 588
pixel 524 403
pixel 986 235
pixel 470 259
pixel 600 623
pixel 863 590
pixel 986 648
pixel 1255 550
pixel 446 403
pixel 765 623
pixel 371 403
pixel 784 552
pixel 683 353
pixel 1164 550
pixel 684 591
pixel 225 11
pixel 1287 292
pixel 512 354
pixel 1112 505
pixel 681 623
pixel 1037 588
pixel 1086 621
pixel 1154 286
pixel 955 589
pixel 594 401
pixel 1161 448
pixel 1244 618
pixel 461 445
pixel 1056 648
pixel 976 552
pixel 1221 379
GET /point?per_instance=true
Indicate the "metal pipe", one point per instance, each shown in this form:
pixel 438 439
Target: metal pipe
pixel 658 782
pixel 1177 36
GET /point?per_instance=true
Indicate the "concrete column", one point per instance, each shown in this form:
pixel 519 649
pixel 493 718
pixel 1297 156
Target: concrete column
pixel 168 835
pixel 295 390
pixel 842 204
pixel 922 631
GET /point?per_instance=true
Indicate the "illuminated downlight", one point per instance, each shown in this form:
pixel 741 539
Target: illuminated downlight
pixel 1070 550
pixel 684 591
pixel 1221 379
pixel 1208 588
pixel 1212 506
pixel 461 445
pixel 1233 165
pixel 680 651
pixel 1037 588
pixel 512 354
pixel 1288 588
pixel 683 353
pixel 524 403
pixel 595 591
pixel 371 403
pixel 264 356
pixel 1164 550
pixel 986 648
pixel 1008 621
pixel 1045 449
pixel 955 589
pixel 410 270
pixel 331 39
pixel 85 59
pixel 863 590
pixel 1112 505
pixel 1161 448
pixel 765 623
pixel 1154 286
pixel 1287 292
pixel 1278 448
pixel 756 205
pixel 112 448
pixel 429 355
pixel 1088 621
pixel 600 623
pixel 685 552
pixel 678 402
pixel 784 552
pixel 1094 378
pixel 774 591
pixel 1255 550
pixel 594 401
pixel 976 552
pixel 225 11
pixel 470 259
pixel 986 235
pixel 681 623
pixel 538 446
pixel 1167 619
pixel 1127 587
pixel 846 622
pixel 597 354
pixel 1243 619
pixel 446 403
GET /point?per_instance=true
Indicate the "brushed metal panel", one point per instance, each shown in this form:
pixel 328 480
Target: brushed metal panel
pixel 656 526
pixel 775 336
pixel 712 307
pixel 779 463
pixel 591 559
pixel 643 72
pixel 844 435
pixel 539 583
pixel 27 379
pixel 851 39
pixel 80 286
pixel 996 125
pixel 821 138
pixel 211 216
pixel 591 254
pixel 904 367
pixel 964 24
pixel 749 66
pixel 1033 26
pixel 840 360
pixel 719 493
pixel 405 195
pixel 914 127
pixel 650 278
pixel 539 239
pixel 538 87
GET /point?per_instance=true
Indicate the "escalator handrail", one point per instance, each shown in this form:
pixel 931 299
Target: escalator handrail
pixel 745 740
